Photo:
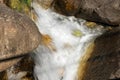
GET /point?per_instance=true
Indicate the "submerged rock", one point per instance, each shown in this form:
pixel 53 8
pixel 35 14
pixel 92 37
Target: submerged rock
pixel 18 36
pixel 104 60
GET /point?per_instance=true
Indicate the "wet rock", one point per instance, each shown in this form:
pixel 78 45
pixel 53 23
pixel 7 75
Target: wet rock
pixel 104 61
pixel 103 11
pixel 68 7
pixel 18 35
pixel 44 3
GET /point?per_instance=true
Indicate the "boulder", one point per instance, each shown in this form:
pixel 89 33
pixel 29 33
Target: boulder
pixel 103 11
pixel 104 60
pixel 18 35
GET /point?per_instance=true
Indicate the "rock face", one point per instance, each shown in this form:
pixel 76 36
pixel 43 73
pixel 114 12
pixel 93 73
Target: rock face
pixel 104 11
pixel 44 3
pixel 104 62
pixel 18 34
pixel 67 7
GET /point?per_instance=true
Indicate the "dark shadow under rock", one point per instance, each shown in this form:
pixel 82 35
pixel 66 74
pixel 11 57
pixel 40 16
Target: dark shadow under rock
pixel 23 70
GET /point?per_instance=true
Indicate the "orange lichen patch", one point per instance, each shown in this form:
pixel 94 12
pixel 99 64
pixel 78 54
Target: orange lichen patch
pixel 47 41
pixel 83 61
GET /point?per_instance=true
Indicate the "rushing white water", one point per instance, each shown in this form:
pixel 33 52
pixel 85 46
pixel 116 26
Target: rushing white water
pixel 60 63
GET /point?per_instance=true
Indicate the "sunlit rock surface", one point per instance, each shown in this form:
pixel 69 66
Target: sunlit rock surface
pixel 18 35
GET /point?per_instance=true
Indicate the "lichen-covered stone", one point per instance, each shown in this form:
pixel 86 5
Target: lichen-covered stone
pixel 20 5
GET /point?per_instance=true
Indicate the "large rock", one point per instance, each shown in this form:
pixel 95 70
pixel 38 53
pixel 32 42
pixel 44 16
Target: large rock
pixel 18 35
pixel 104 11
pixel 104 60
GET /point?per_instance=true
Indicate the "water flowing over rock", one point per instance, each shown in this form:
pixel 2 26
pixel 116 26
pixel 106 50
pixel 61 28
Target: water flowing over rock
pixel 44 3
pixel 69 49
pixel 64 42
pixel 18 35
pixel 104 11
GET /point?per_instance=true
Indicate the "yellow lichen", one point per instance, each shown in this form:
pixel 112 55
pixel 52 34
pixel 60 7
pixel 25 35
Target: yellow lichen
pixel 83 61
pixel 77 33
pixel 90 24
pixel 20 5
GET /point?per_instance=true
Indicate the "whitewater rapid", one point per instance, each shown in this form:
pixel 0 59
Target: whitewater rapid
pixel 60 59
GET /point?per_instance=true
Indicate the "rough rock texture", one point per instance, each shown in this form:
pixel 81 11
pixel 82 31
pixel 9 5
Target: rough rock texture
pixel 44 3
pixel 23 70
pixel 68 7
pixel 104 62
pixel 18 34
pixel 104 11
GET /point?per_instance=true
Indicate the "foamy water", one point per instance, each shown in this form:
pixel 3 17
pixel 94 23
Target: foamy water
pixel 61 63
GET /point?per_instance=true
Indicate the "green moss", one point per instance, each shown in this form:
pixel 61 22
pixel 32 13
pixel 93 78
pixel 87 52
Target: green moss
pixel 20 5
